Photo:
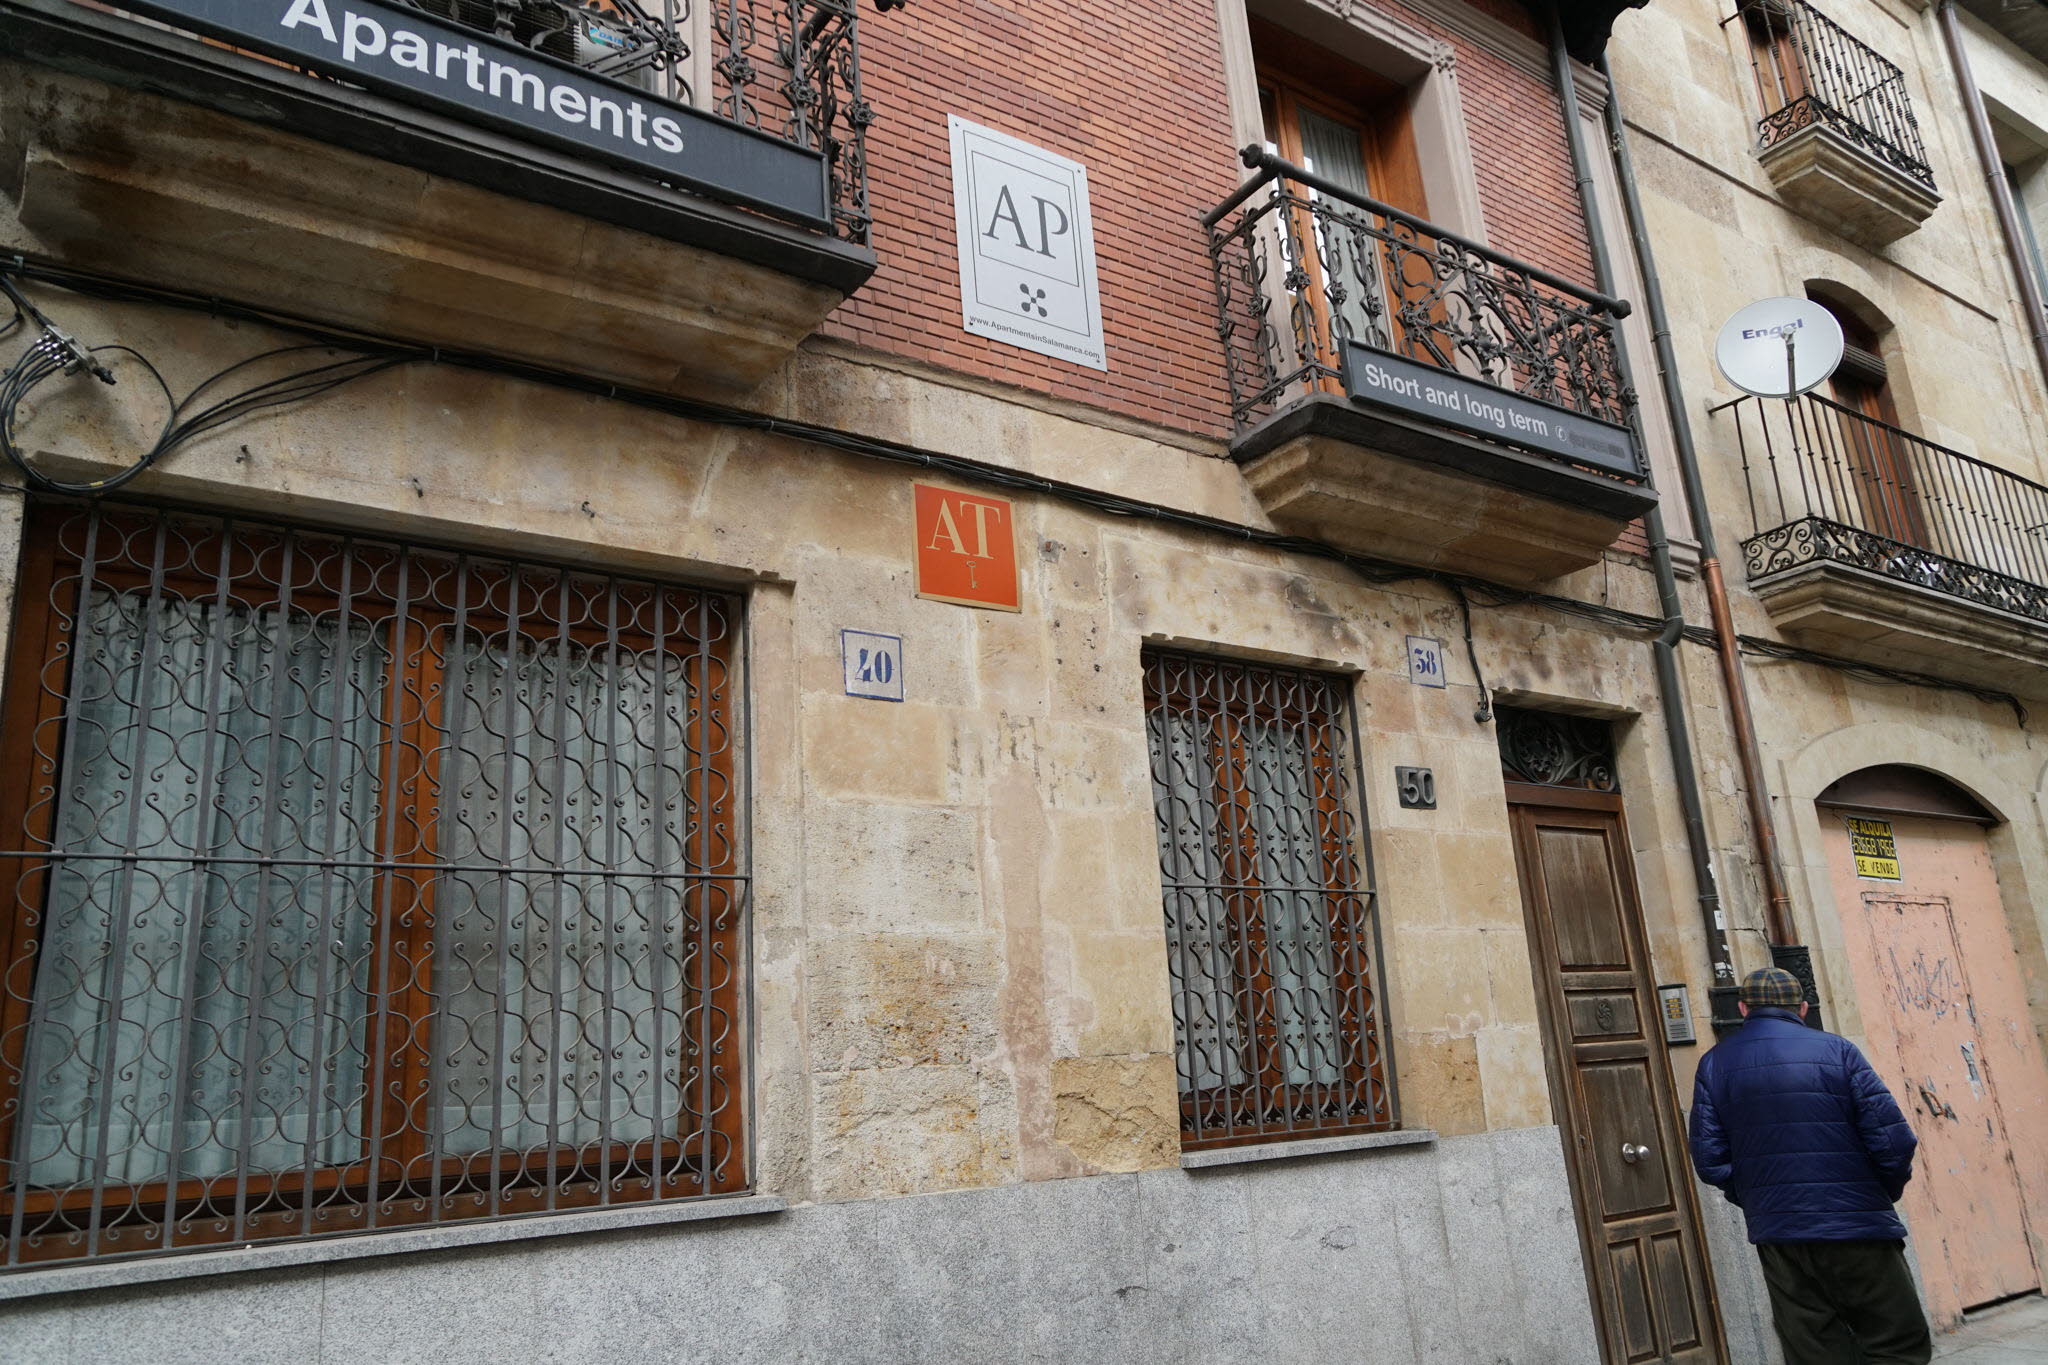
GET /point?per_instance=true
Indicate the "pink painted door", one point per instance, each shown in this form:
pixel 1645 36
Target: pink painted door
pixel 1946 1020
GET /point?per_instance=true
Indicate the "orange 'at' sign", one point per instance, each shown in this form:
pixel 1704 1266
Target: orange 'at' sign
pixel 966 549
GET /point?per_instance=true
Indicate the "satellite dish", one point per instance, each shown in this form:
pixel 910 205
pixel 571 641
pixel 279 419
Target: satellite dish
pixel 1779 348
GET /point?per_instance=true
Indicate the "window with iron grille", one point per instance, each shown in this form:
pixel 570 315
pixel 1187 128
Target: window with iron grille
pixel 1272 942
pixel 357 884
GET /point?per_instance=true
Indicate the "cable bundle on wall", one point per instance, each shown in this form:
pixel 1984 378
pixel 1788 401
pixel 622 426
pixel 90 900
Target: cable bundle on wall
pixel 56 354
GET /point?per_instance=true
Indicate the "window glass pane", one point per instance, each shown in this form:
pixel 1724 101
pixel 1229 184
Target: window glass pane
pixel 561 968
pixel 1334 151
pixel 1289 859
pixel 2025 212
pixel 362 886
pixel 1348 253
pixel 1269 928
pixel 200 1009
pixel 1200 940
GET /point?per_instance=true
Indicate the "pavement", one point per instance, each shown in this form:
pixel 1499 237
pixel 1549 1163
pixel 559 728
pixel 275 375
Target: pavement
pixel 2011 1334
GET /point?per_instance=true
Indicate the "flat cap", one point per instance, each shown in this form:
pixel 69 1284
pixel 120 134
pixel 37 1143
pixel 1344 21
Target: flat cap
pixel 1772 986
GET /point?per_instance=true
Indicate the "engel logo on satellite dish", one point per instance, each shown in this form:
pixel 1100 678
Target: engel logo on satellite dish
pixel 1779 348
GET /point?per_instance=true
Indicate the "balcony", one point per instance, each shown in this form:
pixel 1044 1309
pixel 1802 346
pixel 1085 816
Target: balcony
pixel 1875 544
pixel 1838 137
pixel 666 196
pixel 1406 393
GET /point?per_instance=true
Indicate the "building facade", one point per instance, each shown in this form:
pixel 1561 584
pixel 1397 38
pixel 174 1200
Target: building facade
pixel 982 681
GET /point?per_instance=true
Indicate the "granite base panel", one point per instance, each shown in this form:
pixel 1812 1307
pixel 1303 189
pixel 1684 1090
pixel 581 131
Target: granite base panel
pixel 1457 1252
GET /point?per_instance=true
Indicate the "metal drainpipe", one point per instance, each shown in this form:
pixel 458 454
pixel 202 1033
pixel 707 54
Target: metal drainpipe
pixel 1664 651
pixel 1994 178
pixel 1734 681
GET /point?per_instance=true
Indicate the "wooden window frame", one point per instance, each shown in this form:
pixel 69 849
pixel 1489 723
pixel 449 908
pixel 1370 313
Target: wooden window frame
pixel 1356 978
pixel 394 1181
pixel 1293 75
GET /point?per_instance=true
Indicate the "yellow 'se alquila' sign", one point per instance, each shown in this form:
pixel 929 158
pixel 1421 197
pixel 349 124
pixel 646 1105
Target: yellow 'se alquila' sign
pixel 1876 848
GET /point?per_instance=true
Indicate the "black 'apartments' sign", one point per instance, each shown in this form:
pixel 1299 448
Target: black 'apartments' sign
pixel 1450 399
pixel 483 80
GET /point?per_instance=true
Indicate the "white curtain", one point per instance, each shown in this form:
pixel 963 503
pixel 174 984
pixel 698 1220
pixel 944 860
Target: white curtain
pixel 1289 860
pixel 193 1006
pixel 560 1017
pixel 1208 957
pixel 1201 947
pixel 1350 258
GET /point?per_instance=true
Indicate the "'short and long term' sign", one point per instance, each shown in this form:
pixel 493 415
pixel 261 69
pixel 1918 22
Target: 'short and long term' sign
pixel 481 80
pixel 1375 378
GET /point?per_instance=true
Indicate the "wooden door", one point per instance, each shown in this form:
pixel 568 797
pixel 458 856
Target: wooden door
pixel 1945 1017
pixel 1631 1177
pixel 1352 127
pixel 1880 462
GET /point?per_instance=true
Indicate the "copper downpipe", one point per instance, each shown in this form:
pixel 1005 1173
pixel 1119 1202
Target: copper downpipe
pixel 1735 686
pixel 1734 683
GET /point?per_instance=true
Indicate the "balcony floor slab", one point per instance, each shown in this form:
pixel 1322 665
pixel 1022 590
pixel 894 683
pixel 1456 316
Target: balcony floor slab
pixel 1411 492
pixel 259 184
pixel 1829 179
pixel 1870 618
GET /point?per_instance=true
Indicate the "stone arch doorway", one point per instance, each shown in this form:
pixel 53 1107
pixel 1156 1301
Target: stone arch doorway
pixel 1943 1005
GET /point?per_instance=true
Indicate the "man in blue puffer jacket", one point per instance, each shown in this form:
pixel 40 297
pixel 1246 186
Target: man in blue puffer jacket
pixel 1796 1129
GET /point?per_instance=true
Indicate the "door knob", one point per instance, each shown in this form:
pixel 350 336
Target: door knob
pixel 1632 1152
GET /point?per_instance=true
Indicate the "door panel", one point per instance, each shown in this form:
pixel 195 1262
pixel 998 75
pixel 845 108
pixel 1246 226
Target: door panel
pixel 1945 1016
pixel 1618 1097
pixel 1638 1327
pixel 1669 1253
pixel 1646 1260
pixel 1578 873
pixel 1602 1014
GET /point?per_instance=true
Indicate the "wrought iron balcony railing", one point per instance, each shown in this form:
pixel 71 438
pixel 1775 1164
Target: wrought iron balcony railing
pixel 1811 71
pixel 1303 266
pixel 789 69
pixel 1830 485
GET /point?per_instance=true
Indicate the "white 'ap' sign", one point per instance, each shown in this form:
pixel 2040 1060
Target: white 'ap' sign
pixel 1027 247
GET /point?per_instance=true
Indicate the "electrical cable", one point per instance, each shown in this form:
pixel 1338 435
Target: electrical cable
pixel 55 354
pixel 377 354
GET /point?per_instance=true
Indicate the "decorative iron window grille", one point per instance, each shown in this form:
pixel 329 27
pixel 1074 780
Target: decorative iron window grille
pixel 1303 265
pixel 1828 484
pixel 1545 749
pixel 1811 72
pixel 1272 943
pixel 358 885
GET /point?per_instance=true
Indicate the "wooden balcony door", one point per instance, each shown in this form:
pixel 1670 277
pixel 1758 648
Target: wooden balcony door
pixel 1351 126
pixel 1646 1261
pixel 1880 464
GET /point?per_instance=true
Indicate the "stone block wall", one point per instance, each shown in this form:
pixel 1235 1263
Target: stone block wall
pixel 1448 1255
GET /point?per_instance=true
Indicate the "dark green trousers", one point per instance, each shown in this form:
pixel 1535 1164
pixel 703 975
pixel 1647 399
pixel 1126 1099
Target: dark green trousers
pixel 1845 1303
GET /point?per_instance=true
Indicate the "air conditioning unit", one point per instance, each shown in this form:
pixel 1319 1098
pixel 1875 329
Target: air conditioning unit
pixel 606 45
pixel 602 42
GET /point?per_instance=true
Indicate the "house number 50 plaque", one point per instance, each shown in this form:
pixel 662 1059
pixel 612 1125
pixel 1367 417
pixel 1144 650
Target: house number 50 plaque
pixel 1416 788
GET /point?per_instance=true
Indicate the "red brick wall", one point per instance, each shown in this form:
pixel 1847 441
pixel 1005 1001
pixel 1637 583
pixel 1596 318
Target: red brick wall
pixel 1134 90
pixel 1526 186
